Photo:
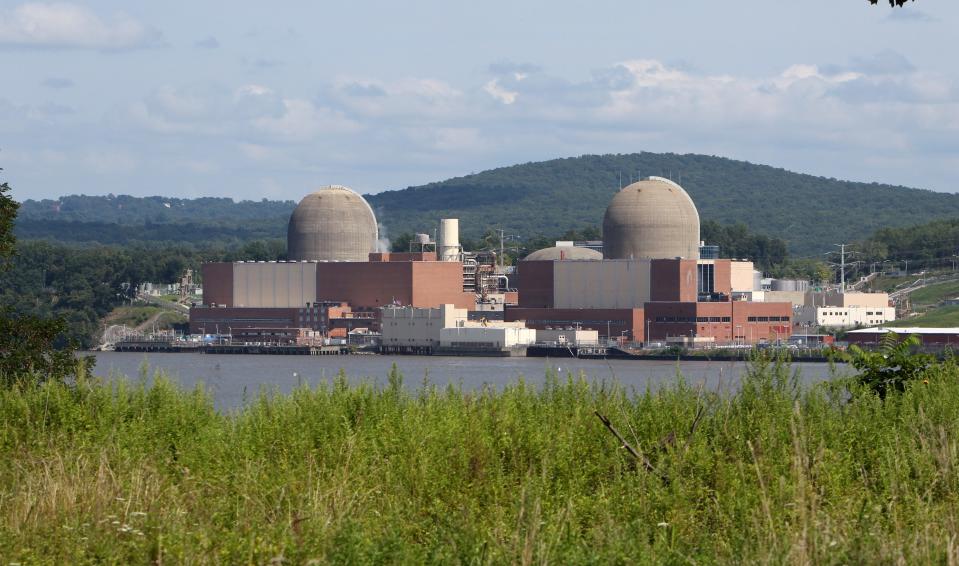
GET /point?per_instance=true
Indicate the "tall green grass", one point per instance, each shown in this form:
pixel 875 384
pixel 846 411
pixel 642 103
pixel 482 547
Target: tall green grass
pixel 128 473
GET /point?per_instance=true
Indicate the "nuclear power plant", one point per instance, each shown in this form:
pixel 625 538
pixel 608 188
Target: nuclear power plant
pixel 651 219
pixel 648 283
pixel 332 224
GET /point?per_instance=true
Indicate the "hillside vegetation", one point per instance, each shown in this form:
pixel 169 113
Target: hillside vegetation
pixel 532 199
pixel 83 284
pixel 135 473
pixel 810 213
pixel 942 317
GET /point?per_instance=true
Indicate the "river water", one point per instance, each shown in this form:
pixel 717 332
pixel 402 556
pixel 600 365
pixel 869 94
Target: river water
pixel 235 378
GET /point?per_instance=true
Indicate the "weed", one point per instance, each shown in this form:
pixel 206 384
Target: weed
pixel 124 472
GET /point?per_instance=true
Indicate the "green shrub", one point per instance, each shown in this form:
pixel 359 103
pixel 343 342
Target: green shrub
pixel 124 472
pixel 890 367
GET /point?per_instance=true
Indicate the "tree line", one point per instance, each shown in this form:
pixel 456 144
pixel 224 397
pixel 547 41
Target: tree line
pixel 82 284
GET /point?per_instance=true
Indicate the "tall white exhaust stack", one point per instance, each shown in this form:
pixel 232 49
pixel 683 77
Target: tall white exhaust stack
pixel 449 247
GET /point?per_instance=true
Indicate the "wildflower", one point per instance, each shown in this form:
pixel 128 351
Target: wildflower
pixel 926 381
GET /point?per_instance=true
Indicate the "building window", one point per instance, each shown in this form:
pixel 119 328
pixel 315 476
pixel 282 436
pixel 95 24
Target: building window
pixel 707 277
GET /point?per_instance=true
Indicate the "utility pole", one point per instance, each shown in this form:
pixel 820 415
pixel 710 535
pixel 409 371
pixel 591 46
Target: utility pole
pixel 842 267
pixel 502 236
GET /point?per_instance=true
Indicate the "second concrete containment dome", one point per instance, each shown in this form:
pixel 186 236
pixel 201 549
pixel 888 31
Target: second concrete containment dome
pixel 332 224
pixel 653 218
pixel 563 253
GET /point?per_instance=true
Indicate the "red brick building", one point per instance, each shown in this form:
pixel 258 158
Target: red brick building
pixel 646 300
pixel 332 297
pixel 374 284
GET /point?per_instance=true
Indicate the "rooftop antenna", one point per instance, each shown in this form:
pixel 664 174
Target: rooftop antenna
pixel 620 179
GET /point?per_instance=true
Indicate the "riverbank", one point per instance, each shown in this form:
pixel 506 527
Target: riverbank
pixel 342 473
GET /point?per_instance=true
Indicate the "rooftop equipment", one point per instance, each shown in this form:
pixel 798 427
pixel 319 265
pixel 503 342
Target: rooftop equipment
pixel 449 244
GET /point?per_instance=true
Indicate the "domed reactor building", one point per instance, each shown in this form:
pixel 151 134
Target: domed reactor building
pixel 562 253
pixel 650 283
pixel 332 224
pixel 651 219
pixel 333 281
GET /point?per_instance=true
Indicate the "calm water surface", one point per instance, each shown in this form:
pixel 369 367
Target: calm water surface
pixel 233 378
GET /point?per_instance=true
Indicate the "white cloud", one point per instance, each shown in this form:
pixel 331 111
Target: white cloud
pixel 409 98
pixel 499 93
pixel 303 121
pixel 839 119
pixel 911 16
pixel 64 25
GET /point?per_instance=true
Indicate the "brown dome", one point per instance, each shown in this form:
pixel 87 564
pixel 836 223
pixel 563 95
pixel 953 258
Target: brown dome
pixel 332 224
pixel 654 219
pixel 563 253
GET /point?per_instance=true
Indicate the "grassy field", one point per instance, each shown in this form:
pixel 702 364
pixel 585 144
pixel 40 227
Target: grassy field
pixel 134 316
pixel 935 318
pixel 886 284
pixel 131 315
pixel 128 473
pixel 934 294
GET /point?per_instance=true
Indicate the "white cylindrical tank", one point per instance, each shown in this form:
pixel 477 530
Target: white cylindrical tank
pixel 790 285
pixel 449 243
pixel 422 239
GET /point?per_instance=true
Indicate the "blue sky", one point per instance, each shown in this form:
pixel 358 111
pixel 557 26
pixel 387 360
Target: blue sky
pixel 252 100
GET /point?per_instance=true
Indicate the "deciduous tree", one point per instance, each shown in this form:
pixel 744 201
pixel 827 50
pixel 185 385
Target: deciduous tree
pixel 31 347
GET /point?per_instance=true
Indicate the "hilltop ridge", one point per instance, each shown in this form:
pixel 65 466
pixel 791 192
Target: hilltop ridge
pixel 538 198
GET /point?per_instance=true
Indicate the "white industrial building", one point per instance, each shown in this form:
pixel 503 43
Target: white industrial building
pixel 845 310
pixel 481 337
pixel 845 317
pixel 567 337
pixel 833 308
pixel 447 329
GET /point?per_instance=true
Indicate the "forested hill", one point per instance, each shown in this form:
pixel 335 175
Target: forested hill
pixel 810 213
pixel 545 198
pixel 134 211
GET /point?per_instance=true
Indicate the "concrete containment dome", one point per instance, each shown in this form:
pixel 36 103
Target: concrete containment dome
pixel 651 219
pixel 562 253
pixel 332 224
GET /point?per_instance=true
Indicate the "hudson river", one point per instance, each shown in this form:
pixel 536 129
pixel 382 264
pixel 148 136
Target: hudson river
pixel 233 378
